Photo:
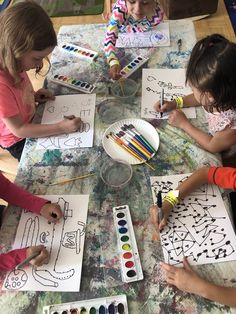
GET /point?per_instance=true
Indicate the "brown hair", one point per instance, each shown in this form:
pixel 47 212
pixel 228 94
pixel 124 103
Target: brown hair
pixel 24 26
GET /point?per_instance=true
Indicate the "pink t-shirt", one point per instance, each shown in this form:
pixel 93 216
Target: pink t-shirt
pixel 15 101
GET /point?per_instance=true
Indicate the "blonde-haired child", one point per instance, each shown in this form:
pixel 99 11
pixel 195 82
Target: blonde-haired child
pixel 128 16
pixel 26 38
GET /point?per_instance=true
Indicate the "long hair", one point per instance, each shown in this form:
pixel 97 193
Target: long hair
pixel 212 68
pixel 24 26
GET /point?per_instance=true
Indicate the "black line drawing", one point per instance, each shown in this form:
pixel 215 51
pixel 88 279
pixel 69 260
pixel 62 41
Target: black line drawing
pixel 60 240
pixel 83 107
pixel 198 227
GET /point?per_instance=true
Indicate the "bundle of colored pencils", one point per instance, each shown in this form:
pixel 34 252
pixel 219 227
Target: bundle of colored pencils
pixel 134 143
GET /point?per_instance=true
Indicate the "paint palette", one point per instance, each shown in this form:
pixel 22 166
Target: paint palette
pixel 133 66
pixel 131 269
pixel 79 52
pixel 108 305
pixel 73 83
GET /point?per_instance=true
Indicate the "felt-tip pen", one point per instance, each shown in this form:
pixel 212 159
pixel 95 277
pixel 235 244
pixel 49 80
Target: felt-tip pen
pixel 162 100
pixel 159 205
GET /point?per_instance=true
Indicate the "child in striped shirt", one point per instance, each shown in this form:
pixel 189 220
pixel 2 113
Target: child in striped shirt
pixel 129 16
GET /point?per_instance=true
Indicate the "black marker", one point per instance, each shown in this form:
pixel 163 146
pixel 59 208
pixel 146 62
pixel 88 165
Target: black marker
pixel 159 205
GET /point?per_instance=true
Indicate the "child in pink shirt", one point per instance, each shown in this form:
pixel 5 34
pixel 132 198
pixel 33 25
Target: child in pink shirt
pixel 15 195
pixel 26 39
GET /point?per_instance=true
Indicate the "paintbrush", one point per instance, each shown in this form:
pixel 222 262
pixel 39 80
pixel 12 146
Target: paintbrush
pixel 122 87
pixel 132 128
pixel 73 179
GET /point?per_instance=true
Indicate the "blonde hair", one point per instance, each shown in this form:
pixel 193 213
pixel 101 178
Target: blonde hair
pixel 25 26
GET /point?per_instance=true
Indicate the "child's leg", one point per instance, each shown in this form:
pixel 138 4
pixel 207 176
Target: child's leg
pixel 16 149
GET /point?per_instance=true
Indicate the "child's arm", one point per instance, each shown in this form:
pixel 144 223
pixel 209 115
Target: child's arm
pixel 17 196
pixel 197 179
pixel 117 18
pixel 24 130
pixel 187 280
pixel 222 140
pixel 10 260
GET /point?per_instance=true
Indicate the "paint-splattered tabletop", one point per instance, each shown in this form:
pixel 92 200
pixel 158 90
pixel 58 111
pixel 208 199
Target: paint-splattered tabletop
pixel 177 154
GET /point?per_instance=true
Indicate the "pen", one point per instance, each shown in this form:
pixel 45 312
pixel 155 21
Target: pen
pixel 27 260
pixel 162 100
pixel 159 205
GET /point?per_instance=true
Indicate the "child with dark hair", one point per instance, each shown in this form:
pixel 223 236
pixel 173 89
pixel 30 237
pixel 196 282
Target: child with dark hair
pixel 211 73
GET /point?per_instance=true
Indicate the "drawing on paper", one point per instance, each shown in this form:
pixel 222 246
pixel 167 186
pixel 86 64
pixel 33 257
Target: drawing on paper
pixel 64 242
pixel 198 227
pixel 82 106
pixel 158 36
pixel 173 82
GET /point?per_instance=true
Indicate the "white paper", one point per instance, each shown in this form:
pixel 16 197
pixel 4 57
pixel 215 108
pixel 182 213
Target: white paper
pixel 64 241
pixel 173 82
pixel 79 105
pixel 198 227
pixel 157 37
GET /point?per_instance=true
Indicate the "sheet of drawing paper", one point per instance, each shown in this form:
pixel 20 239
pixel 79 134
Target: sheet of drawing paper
pixel 198 227
pixel 173 82
pixel 79 105
pixel 64 241
pixel 157 37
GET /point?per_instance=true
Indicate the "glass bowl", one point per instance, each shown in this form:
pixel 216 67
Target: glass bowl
pixel 110 110
pixel 116 173
pixel 124 89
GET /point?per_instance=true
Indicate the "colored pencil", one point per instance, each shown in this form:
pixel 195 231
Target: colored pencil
pixel 73 179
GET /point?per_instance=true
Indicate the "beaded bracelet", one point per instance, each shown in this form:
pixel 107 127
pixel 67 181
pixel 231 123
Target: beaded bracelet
pixel 172 197
pixel 179 102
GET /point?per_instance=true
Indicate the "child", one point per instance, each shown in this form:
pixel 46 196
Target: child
pixel 19 197
pixel 129 16
pixel 185 278
pixel 26 38
pixel 211 75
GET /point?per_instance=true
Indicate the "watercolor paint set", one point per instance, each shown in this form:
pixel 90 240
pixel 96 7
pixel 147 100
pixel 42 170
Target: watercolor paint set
pixel 79 52
pixel 131 269
pixel 73 83
pixel 108 305
pixel 133 66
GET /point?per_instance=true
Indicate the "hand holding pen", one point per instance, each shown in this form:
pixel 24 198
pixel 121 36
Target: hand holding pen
pixel 36 256
pixel 165 106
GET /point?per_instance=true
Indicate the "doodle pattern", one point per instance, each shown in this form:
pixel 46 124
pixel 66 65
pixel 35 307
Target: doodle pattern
pixel 63 270
pixel 154 38
pixel 198 227
pixel 173 82
pixel 82 106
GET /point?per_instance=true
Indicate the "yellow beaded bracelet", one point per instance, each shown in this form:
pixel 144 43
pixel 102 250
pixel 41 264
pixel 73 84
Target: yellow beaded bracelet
pixel 172 197
pixel 179 102
pixel 114 62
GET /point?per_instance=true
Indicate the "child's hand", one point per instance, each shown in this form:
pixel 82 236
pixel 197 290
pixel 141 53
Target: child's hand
pixel 183 278
pixel 52 212
pixel 71 124
pixel 167 106
pixel 178 119
pixel 41 259
pixel 166 209
pixel 115 72
pixel 43 95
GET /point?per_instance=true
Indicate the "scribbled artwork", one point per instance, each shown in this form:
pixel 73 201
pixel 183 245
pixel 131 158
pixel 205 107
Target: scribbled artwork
pixel 173 82
pixel 198 227
pixel 158 36
pixel 64 242
pixel 79 105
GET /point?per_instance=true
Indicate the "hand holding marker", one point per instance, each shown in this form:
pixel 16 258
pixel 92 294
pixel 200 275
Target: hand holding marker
pixel 159 205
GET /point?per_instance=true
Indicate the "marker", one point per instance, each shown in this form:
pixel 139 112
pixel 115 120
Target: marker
pixel 159 205
pixel 27 260
pixel 162 100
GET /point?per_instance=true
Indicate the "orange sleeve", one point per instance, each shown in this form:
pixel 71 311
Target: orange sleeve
pixel 224 177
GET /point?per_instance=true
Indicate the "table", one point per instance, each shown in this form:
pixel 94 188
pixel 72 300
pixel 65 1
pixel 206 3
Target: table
pixel 177 154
